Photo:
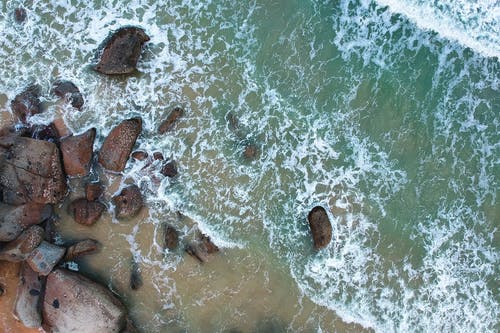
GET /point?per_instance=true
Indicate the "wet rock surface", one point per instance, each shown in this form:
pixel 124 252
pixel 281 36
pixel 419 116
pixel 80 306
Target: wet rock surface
pixel 169 169
pixel 121 51
pixel 171 238
pixel 117 146
pixel 93 191
pixel 77 153
pixel 135 276
pixel 14 219
pixel 86 212
pixel 129 202
pixel 321 228
pixel 69 91
pixel 172 117
pixel 27 103
pixel 203 249
pixel 44 258
pixel 27 307
pixel 81 248
pixel 20 248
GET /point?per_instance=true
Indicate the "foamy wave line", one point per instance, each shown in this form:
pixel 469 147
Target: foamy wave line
pixel 426 17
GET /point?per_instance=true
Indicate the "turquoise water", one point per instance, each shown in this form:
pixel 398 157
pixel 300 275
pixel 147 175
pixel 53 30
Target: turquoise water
pixel 388 116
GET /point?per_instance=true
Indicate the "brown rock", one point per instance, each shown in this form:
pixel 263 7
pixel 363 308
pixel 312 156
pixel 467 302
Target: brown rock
pixel 20 248
pixel 30 171
pixel 321 227
pixel 158 156
pixel 168 123
pixel 202 249
pixel 14 219
pixel 27 308
pixel 116 148
pixel 61 128
pixel 251 152
pixel 169 169
pixel 74 303
pixel 87 246
pixel 77 153
pixel 171 238
pixel 20 15
pixel 86 212
pixel 45 257
pixel 129 202
pixel 27 103
pixel 93 191
pixel 68 90
pixel 139 155
pixel 43 132
pixel 121 51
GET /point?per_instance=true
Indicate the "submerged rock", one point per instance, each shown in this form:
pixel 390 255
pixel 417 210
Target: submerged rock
pixel 135 276
pixel 14 219
pixel 77 153
pixel 20 248
pixel 169 169
pixel 86 212
pixel 93 191
pixel 84 247
pixel 171 238
pixel 202 249
pixel 118 145
pixel 251 152
pixel 68 90
pixel 27 307
pixel 321 227
pixel 30 171
pixel 45 257
pixel 121 51
pixel 74 303
pixel 27 103
pixel 129 202
pixel 158 156
pixel 20 15
pixel 168 123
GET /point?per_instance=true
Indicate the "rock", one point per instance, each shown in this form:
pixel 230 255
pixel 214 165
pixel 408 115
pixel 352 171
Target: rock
pixel 45 257
pixel 86 212
pixel 321 227
pixel 171 238
pixel 68 90
pixel 14 219
pixel 20 15
pixel 27 103
pixel 168 123
pixel 139 155
pixel 129 202
pixel 27 307
pixel 121 51
pixel 157 156
pixel 202 249
pixel 169 169
pixel 61 127
pixel 30 171
pixel 44 132
pixel 135 276
pixel 77 153
pixel 251 152
pixel 129 327
pixel 87 246
pixel 116 148
pixel 93 191
pixel 20 248
pixel 74 303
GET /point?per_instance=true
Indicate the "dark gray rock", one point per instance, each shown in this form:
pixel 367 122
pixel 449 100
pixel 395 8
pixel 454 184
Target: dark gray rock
pixel 81 248
pixel 68 90
pixel 171 238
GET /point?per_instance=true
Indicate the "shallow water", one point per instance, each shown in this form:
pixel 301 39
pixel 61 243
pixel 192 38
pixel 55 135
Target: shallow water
pixel 377 113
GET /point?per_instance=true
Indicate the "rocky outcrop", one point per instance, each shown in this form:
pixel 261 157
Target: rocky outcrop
pixel 117 146
pixel 203 249
pixel 68 90
pixel 27 103
pixel 44 258
pixel 81 248
pixel 93 191
pixel 171 237
pixel 321 228
pixel 168 123
pixel 14 219
pixel 86 212
pixel 128 203
pixel 77 153
pixel 121 51
pixel 27 307
pixel 30 171
pixel 21 248
pixel 74 303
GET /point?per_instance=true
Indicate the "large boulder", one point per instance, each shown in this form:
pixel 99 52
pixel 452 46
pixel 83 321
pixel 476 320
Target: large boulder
pixel 74 303
pixel 27 103
pixel 27 307
pixel 321 228
pixel 86 212
pixel 30 171
pixel 68 90
pixel 129 202
pixel 21 248
pixel 14 219
pixel 168 123
pixel 121 51
pixel 118 145
pixel 77 153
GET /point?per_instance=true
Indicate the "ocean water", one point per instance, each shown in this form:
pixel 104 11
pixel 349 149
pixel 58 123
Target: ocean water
pixel 384 112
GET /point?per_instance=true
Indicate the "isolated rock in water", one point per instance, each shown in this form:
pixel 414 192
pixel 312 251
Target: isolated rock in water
pixel 251 152
pixel 27 103
pixel 45 257
pixel 14 219
pixel 168 123
pixel 30 171
pixel 321 228
pixel 84 247
pixel 139 155
pixel 121 51
pixel 74 303
pixel 20 15
pixel 93 191
pixel 157 156
pixel 116 148
pixel 169 169
pixel 135 276
pixel 129 202
pixel 44 132
pixel 20 248
pixel 68 90
pixel 171 238
pixel 61 127
pixel 28 307
pixel 77 153
pixel 86 212
pixel 202 249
